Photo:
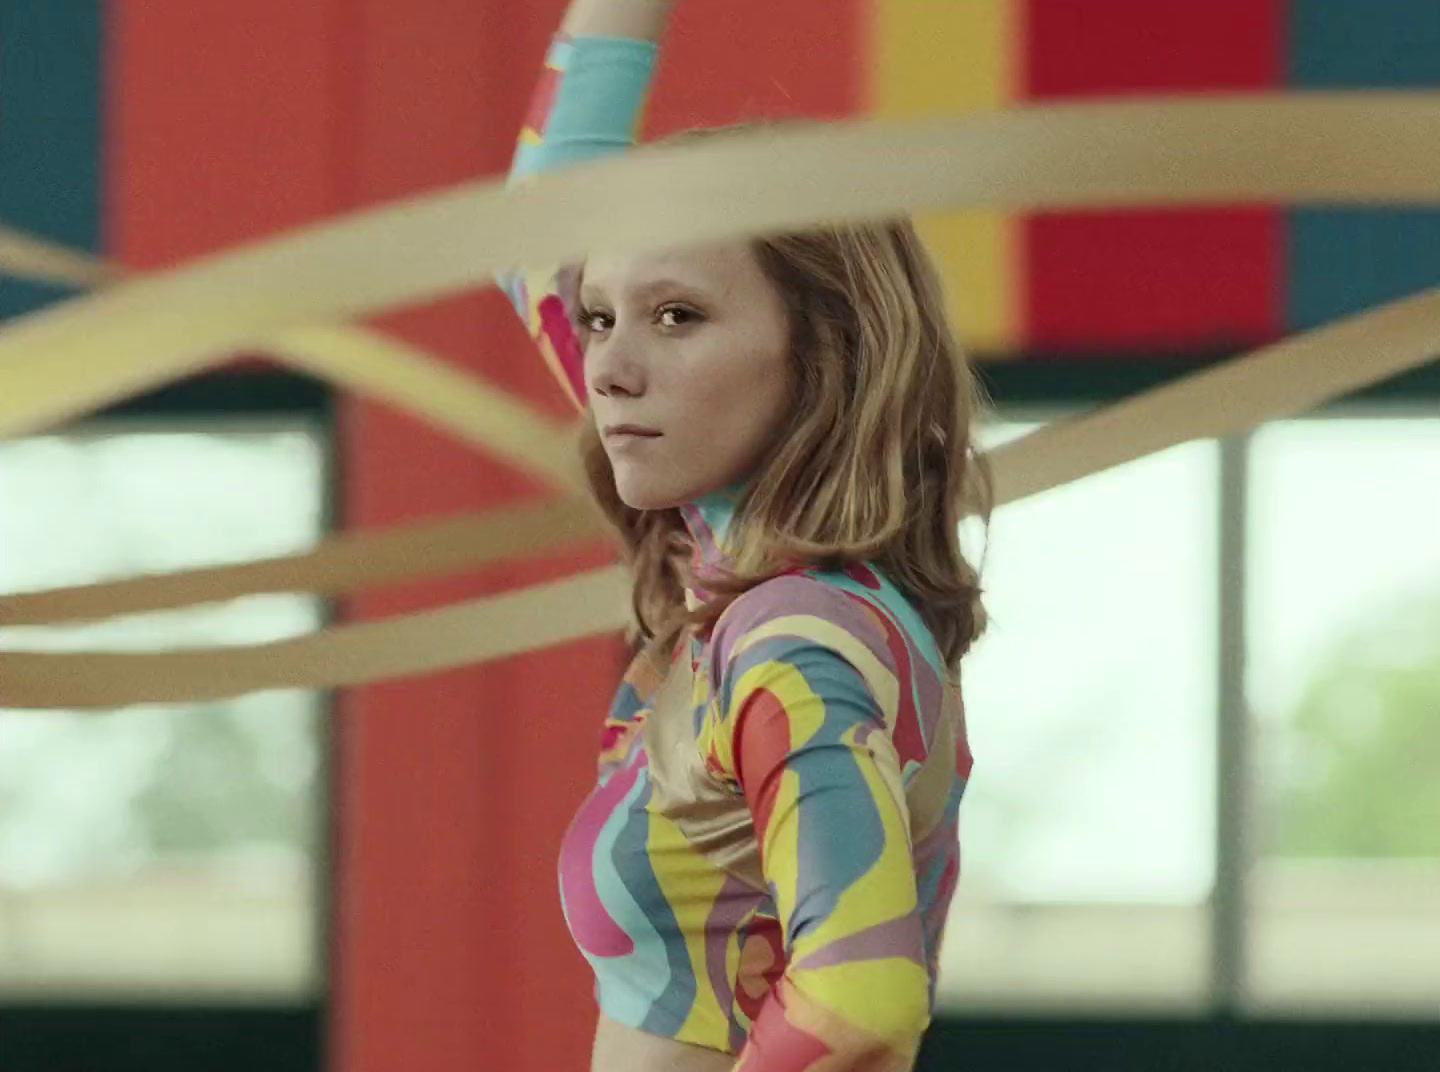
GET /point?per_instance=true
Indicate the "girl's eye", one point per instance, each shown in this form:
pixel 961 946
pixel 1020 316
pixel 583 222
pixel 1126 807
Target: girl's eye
pixel 678 316
pixel 598 321
pixel 593 320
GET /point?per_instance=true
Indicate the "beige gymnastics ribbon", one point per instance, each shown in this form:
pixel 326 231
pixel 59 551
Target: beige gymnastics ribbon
pixel 27 257
pixel 1219 401
pixel 1368 148
pixel 1275 381
pixel 345 563
pixel 1402 341
pixel 466 632
pixel 366 361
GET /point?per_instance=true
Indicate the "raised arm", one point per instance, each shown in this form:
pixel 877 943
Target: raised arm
pixel 587 104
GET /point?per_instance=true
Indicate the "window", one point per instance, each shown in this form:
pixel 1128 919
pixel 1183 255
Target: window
pixel 1087 829
pixel 164 849
pixel 1343 685
pixel 1089 833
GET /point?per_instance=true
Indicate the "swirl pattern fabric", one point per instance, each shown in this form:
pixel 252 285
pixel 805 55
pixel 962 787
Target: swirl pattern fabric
pixel 766 861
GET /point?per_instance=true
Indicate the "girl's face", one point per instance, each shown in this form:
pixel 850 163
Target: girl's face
pixel 687 368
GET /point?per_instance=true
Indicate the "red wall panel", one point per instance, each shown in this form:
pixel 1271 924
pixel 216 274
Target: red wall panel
pixel 456 787
pixel 218 123
pixel 726 61
pixel 1166 279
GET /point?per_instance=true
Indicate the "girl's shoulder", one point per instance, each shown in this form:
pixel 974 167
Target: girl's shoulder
pixel 852 609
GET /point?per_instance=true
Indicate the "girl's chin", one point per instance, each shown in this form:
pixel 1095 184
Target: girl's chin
pixel 640 493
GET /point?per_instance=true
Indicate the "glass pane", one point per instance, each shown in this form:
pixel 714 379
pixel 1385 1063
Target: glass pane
pixel 1344 686
pixel 1088 825
pixel 171 847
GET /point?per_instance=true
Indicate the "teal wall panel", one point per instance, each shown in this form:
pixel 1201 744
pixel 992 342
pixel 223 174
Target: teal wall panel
pixel 1340 261
pixel 50 130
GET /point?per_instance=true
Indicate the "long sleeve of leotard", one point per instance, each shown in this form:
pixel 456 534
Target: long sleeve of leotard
pixel 807 705
pixel 588 103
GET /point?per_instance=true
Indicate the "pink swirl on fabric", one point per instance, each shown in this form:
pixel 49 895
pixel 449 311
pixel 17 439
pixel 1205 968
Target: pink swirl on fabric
pixel 707 547
pixel 590 922
pixel 908 733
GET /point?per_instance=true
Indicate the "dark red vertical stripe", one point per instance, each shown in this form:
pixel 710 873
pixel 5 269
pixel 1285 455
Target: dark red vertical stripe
pixel 1153 279
pixel 727 61
pixel 452 952
pixel 218 123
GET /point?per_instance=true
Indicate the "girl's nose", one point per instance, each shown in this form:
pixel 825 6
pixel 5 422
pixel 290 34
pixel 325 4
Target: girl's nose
pixel 612 368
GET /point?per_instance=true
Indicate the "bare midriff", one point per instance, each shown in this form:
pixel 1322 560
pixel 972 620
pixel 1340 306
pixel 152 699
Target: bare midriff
pixel 619 1048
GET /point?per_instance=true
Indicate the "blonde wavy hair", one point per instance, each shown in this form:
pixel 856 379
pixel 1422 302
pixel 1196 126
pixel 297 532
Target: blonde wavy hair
pixel 876 463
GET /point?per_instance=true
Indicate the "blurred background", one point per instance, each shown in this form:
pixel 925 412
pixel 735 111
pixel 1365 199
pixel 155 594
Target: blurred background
pixel 1204 826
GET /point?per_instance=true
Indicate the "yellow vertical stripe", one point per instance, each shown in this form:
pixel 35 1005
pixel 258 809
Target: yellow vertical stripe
pixel 944 57
pixel 690 891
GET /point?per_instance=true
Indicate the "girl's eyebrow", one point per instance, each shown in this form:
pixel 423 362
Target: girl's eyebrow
pixel 651 288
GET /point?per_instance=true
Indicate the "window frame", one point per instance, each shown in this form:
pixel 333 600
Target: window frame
pixel 237 399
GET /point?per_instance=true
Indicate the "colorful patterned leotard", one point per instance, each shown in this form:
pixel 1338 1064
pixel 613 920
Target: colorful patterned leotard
pixel 765 864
